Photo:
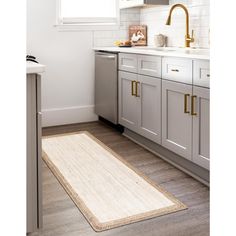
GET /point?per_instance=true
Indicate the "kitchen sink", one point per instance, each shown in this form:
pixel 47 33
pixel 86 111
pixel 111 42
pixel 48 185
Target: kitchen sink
pixel 177 49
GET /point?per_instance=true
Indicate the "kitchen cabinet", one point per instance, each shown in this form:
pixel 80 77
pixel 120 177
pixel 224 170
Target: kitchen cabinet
pixel 128 62
pixel 201 73
pixel 149 107
pixel 186 121
pixel 176 118
pixel 177 69
pixel 138 3
pixel 34 182
pixel 166 100
pixel 128 103
pixel 140 104
pixel 201 126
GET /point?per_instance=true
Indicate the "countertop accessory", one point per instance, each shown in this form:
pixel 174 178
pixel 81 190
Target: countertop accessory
pixel 138 35
pixel 160 40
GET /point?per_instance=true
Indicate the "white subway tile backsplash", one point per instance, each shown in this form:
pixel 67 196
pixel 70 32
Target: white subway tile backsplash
pixel 155 18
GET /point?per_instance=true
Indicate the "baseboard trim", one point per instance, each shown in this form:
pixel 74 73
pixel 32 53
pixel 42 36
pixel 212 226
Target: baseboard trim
pixel 189 168
pixel 68 115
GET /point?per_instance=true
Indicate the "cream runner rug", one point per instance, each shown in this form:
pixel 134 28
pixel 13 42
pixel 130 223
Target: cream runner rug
pixel 107 190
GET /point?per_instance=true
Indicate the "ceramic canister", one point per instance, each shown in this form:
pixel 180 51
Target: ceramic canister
pixel 160 40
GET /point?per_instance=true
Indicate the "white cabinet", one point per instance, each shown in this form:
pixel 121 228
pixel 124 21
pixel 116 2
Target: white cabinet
pixel 201 126
pixel 201 73
pixel 138 3
pixel 176 118
pixel 177 69
pixel 140 104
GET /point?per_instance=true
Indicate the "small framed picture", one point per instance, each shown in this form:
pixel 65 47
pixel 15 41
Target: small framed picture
pixel 138 35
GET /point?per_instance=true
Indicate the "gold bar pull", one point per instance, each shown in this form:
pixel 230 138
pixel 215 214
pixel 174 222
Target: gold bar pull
pixel 186 103
pixel 193 113
pixel 133 82
pixel 136 89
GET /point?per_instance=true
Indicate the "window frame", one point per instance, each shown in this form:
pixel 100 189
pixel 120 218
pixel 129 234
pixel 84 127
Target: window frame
pixel 91 23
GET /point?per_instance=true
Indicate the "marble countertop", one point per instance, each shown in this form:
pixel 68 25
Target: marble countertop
pixel 34 68
pixel 193 53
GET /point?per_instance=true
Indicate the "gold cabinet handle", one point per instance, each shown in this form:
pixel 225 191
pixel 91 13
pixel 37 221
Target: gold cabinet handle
pixel 186 103
pixel 133 82
pixel 193 113
pixel 136 89
pixel 175 70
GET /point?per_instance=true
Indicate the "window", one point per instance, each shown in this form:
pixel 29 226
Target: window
pixel 88 12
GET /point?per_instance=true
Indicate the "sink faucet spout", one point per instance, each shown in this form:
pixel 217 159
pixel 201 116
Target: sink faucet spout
pixel 188 39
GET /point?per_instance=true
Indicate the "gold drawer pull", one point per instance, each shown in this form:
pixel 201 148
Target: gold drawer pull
pixel 133 82
pixel 136 89
pixel 186 103
pixel 193 113
pixel 175 70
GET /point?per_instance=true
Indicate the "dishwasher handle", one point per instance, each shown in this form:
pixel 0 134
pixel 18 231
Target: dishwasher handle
pixel 106 56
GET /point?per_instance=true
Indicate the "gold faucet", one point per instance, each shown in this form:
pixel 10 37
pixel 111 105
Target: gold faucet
pixel 188 39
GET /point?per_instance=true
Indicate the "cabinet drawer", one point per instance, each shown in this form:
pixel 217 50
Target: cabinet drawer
pixel 177 69
pixel 201 73
pixel 149 65
pixel 128 62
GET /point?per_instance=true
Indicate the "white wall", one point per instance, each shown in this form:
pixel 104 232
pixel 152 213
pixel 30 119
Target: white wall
pixel 68 83
pixel 155 18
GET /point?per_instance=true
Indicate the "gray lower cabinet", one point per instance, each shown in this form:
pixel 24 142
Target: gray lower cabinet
pixel 149 94
pixel 201 126
pixel 140 104
pixel 34 183
pixel 128 103
pixel 176 118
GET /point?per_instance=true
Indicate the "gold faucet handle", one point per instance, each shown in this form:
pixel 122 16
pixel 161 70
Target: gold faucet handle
pixel 192 36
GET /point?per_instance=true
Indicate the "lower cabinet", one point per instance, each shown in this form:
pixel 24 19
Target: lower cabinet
pixel 176 118
pixel 140 104
pixel 201 126
pixel 173 111
pixel 128 103
pixel 186 120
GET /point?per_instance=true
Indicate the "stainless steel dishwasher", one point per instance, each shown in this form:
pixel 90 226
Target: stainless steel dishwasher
pixel 106 86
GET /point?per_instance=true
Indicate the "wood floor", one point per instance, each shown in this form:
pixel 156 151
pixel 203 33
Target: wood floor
pixel 62 218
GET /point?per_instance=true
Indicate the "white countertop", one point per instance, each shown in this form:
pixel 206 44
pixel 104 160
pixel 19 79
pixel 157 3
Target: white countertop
pixel 193 53
pixel 34 68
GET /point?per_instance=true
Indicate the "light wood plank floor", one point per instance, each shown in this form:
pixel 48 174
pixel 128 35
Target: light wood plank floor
pixel 62 218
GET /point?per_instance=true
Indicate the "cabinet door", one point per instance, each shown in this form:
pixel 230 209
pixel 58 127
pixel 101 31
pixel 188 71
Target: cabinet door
pixel 201 127
pixel 176 118
pixel 128 103
pixel 149 96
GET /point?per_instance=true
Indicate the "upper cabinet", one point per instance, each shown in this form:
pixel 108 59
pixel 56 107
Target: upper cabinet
pixel 140 3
